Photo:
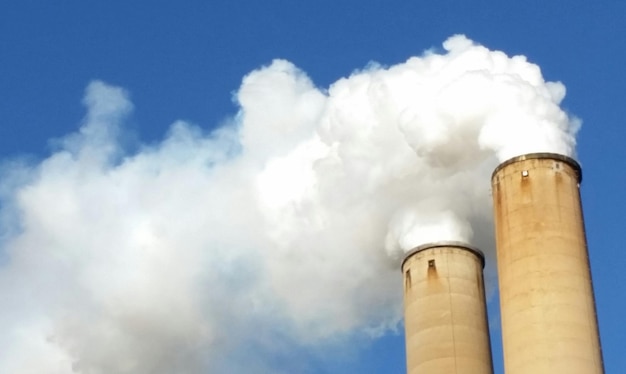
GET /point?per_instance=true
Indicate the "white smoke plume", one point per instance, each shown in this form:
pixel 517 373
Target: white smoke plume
pixel 281 231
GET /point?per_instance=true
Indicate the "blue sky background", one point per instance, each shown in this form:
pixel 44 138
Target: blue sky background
pixel 185 60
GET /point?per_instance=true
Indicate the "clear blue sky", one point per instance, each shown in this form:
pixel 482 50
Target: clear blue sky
pixel 184 60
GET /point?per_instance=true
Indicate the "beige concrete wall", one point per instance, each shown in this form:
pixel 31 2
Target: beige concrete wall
pixel 445 314
pixel 546 299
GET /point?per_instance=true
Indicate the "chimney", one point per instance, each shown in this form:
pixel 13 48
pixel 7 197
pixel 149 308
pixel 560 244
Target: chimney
pixel 547 305
pixel 445 314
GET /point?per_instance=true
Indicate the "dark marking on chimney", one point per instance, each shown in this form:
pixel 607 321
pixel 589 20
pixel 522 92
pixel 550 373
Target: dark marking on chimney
pixel 407 279
pixel 432 270
pixel 526 188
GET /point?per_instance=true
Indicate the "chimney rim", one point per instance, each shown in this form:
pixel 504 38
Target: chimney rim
pixel 445 243
pixel 542 155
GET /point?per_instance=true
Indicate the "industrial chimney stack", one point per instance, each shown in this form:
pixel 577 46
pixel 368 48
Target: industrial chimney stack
pixel 546 298
pixel 445 313
pixel 547 305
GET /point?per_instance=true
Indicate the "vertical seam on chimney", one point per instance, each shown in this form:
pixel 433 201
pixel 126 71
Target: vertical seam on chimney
pixel 451 310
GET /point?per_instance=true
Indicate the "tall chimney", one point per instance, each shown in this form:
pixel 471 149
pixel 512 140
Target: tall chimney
pixel 547 305
pixel 445 316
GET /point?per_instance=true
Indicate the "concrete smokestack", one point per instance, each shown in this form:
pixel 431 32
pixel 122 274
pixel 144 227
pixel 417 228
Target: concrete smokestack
pixel 445 315
pixel 546 298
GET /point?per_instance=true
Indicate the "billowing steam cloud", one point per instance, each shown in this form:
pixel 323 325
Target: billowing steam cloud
pixel 282 231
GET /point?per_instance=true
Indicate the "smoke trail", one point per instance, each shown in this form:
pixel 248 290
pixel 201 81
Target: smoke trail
pixel 280 231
